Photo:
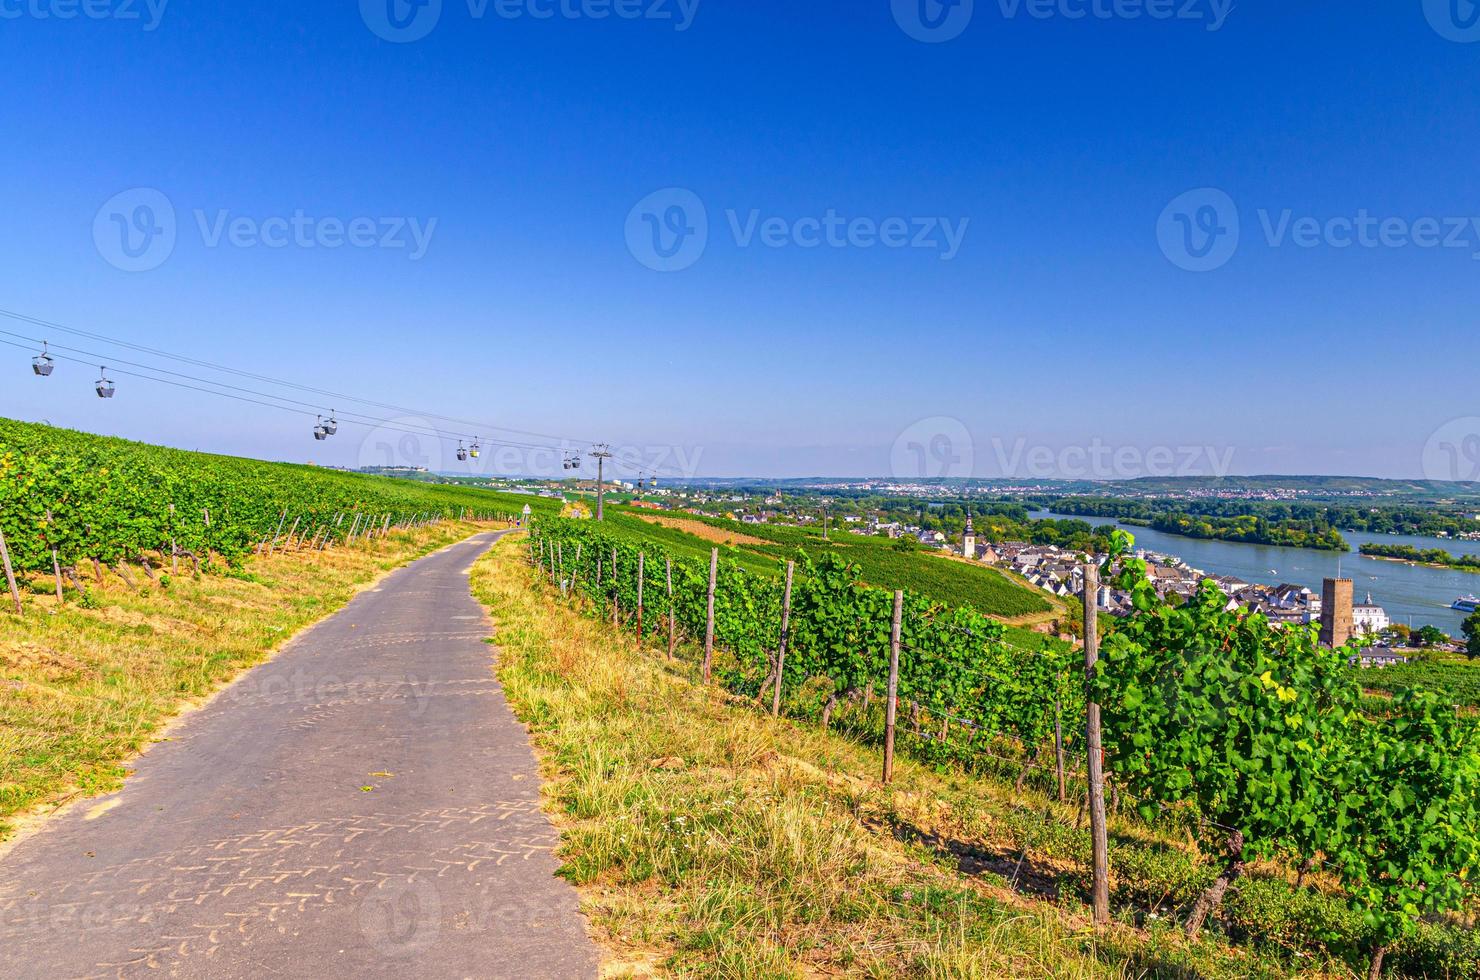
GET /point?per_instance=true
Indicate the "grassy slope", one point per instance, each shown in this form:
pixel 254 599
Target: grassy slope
pixel 709 838
pixel 82 690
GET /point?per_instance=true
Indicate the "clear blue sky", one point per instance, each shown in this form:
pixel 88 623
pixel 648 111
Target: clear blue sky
pixel 1059 322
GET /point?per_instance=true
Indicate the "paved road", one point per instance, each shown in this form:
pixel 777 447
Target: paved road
pixel 248 847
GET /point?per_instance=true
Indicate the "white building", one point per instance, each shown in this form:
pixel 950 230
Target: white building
pixel 1369 618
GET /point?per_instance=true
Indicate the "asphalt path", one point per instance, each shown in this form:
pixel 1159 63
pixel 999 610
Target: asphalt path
pixel 363 805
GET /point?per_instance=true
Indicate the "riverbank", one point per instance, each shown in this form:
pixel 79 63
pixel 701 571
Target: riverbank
pixel 1430 558
pixel 1411 594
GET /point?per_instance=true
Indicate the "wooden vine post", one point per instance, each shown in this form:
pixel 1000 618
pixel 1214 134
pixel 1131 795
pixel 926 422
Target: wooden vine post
pixel 672 619
pixel 891 703
pixel 1100 845
pixel 278 533
pixel 616 588
pixel 791 568
pixel 709 624
pixel 15 593
pixel 56 566
pixel 641 563
pixel 1058 745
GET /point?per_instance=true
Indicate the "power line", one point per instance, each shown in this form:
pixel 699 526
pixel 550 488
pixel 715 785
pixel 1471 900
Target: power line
pixel 563 441
pixel 254 396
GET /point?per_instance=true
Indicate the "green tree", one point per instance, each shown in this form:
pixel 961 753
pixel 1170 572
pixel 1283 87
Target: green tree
pixel 1472 635
pixel 1432 636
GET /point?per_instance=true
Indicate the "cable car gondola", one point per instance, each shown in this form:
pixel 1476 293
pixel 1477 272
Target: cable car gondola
pixel 42 364
pixel 475 450
pixel 331 427
pixel 104 387
pixel 321 431
pixel 462 453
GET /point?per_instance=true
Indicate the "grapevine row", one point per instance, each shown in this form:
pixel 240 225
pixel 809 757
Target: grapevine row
pixel 84 498
pixel 959 671
pixel 1256 733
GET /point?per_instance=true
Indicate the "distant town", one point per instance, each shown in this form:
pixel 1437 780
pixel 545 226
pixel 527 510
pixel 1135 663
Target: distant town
pixel 1055 569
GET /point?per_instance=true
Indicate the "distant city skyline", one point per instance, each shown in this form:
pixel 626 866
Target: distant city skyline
pixel 762 239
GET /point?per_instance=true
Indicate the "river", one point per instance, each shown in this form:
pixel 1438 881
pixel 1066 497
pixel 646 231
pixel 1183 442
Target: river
pixel 1410 593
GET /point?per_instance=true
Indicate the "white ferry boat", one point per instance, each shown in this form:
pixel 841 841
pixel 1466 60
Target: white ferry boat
pixel 1466 604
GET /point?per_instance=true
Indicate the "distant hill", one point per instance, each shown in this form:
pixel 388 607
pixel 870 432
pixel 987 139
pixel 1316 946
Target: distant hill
pixel 1310 487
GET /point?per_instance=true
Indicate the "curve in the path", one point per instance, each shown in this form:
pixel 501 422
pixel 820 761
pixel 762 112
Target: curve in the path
pixel 364 805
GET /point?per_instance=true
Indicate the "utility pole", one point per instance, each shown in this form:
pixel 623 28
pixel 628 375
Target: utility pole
pixel 600 452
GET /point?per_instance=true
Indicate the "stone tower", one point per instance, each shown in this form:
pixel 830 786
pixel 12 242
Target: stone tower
pixel 1336 611
pixel 968 543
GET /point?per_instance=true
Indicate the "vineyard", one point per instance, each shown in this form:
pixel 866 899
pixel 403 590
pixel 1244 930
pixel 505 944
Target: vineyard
pixel 1250 737
pixel 74 503
pixel 885 563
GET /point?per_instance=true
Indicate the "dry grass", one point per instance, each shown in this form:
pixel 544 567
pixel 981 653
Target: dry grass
pixel 708 532
pixel 708 838
pixel 87 685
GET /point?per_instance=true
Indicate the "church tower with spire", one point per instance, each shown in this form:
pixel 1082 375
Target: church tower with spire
pixel 968 543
